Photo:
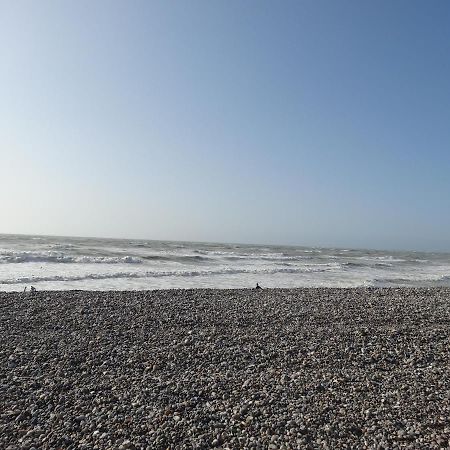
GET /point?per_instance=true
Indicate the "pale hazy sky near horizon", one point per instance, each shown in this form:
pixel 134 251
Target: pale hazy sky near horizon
pixel 293 122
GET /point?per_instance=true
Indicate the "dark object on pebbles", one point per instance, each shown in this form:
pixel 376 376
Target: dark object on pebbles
pixel 279 369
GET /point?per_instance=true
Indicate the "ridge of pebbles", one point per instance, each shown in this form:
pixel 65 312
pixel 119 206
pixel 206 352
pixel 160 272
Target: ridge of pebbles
pixel 197 369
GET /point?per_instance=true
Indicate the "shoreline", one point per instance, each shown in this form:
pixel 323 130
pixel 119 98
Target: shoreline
pixel 230 289
pixel 225 368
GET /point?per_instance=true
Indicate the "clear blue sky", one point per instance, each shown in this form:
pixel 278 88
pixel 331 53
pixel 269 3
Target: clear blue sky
pixel 303 122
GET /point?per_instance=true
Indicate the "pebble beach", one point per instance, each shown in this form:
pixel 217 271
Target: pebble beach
pixel 199 369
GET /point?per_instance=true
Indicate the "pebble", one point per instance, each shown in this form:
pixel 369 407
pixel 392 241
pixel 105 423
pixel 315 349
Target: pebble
pixel 278 369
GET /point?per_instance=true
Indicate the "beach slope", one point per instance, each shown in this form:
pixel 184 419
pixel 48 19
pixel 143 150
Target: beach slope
pixel 287 368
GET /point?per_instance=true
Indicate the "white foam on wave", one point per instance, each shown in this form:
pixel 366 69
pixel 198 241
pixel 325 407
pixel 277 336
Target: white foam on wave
pixel 387 258
pixel 170 273
pixel 57 257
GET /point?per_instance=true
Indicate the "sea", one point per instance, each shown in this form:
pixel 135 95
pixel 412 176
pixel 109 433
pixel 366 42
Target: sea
pixel 63 263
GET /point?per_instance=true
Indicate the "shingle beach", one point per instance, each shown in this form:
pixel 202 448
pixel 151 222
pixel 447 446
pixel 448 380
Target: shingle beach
pixel 269 369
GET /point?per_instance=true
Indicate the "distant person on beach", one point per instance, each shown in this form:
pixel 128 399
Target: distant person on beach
pixel 258 286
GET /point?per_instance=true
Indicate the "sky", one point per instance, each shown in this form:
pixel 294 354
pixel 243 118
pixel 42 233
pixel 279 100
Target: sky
pixel 316 122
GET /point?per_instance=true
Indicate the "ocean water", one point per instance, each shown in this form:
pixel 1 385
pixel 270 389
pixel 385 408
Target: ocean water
pixel 62 263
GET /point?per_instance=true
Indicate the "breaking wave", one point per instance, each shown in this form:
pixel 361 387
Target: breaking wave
pixel 169 273
pixel 56 257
